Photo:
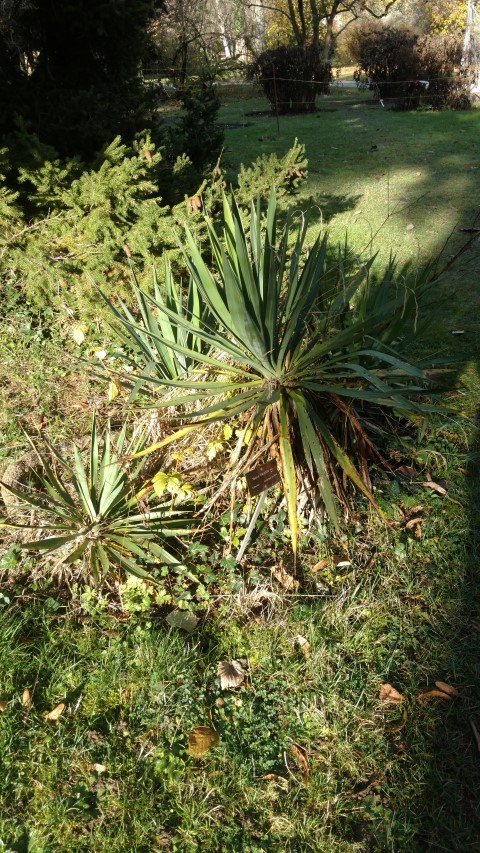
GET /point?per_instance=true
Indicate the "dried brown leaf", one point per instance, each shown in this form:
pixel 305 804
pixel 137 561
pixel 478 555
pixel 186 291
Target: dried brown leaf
pixel 319 566
pixel 300 760
pixel 56 712
pixel 413 522
pixel 435 487
pixel 284 578
pixel 200 740
pixel 272 777
pixel 389 695
pixel 303 645
pixel 406 472
pixel 431 694
pixel 447 688
pixel 3 705
pixel 231 673
pixel 26 699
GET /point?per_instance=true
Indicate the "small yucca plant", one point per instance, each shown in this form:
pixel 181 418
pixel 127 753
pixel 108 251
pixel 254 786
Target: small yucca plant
pixel 159 346
pixel 97 513
pixel 303 342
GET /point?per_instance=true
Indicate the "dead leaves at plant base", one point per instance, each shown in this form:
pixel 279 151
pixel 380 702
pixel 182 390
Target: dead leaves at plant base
pixel 231 674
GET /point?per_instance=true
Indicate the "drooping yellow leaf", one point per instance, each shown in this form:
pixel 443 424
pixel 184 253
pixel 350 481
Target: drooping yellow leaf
pixel 201 739
pixel 56 712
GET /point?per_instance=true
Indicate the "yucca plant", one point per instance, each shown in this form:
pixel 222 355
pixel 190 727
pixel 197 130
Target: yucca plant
pixel 158 346
pixel 98 513
pixel 304 343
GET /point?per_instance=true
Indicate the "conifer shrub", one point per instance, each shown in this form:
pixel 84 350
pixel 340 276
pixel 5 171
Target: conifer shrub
pixel 198 135
pixel 285 174
pixel 292 77
pixel 63 222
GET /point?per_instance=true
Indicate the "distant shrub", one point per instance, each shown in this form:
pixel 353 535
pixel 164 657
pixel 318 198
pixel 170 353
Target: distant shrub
pixel 290 77
pixel 394 61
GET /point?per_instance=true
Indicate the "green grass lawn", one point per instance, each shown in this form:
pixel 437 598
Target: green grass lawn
pixel 309 758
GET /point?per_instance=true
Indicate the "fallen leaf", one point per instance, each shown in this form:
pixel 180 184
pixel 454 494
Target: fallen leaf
pixel 319 566
pixel 430 694
pixel 389 695
pixel 410 226
pixel 231 673
pixel 78 333
pixel 412 522
pixel 26 699
pixel 99 768
pixel 272 777
pixel 447 688
pixel 476 734
pixel 458 332
pixel 435 487
pixel 183 620
pixel 56 712
pixel 200 740
pixel 300 760
pixel 3 705
pixel 284 578
pixel 303 645
pixel 406 472
pixel 114 389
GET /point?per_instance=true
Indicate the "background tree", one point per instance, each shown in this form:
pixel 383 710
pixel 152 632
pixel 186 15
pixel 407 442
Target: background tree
pixel 320 22
pixel 71 69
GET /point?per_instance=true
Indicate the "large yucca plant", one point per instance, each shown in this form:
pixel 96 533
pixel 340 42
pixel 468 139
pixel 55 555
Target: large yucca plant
pixel 305 343
pixel 97 513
